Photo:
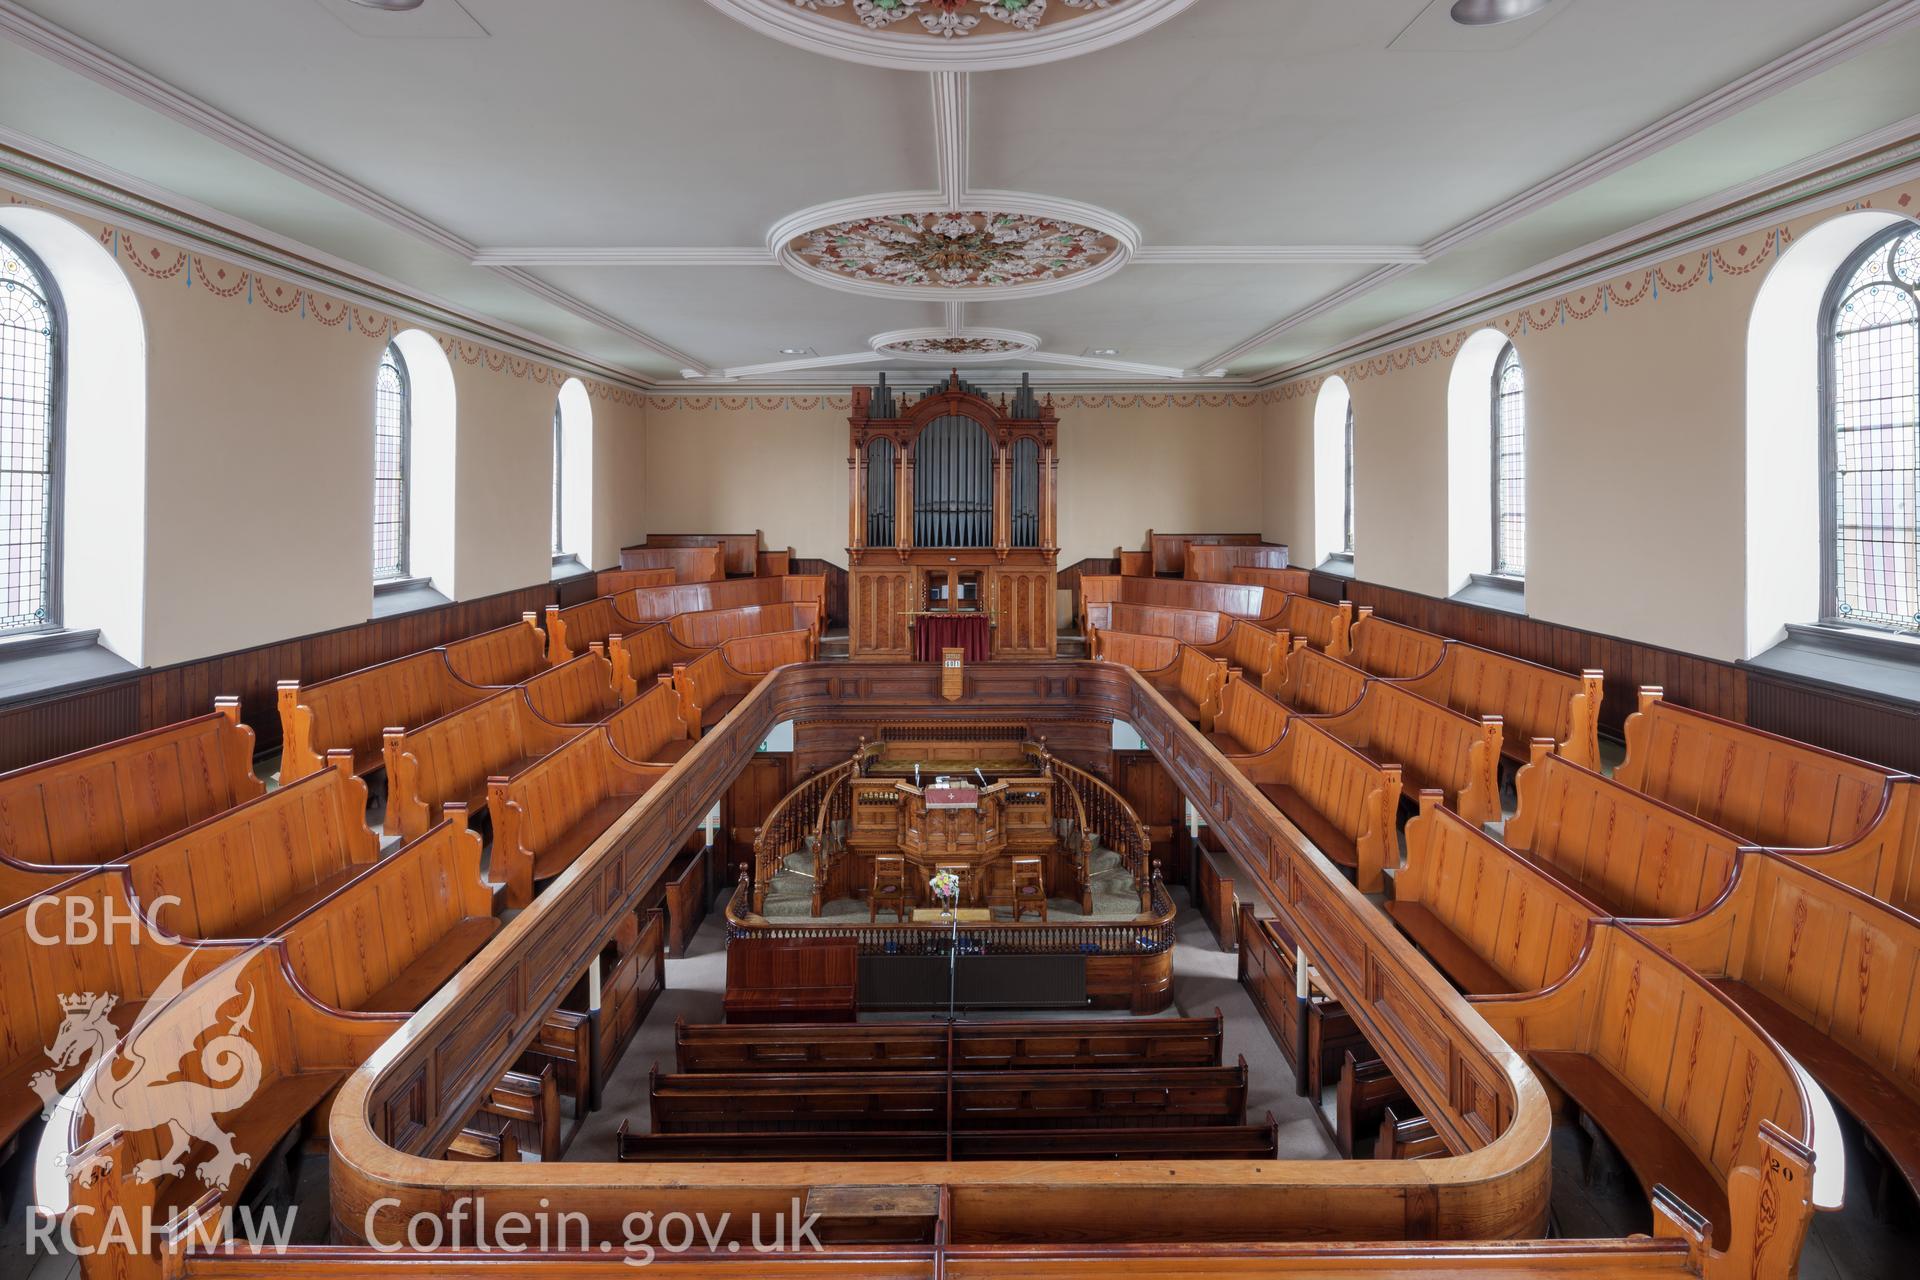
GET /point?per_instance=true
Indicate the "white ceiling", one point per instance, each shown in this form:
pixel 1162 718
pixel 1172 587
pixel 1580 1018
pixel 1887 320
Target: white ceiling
pixel 1340 136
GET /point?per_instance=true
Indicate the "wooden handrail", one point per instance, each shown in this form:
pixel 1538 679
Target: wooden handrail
pixel 804 812
pixel 1108 818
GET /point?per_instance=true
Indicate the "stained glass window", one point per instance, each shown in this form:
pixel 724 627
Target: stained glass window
pixel 1509 465
pixel 392 465
pixel 29 444
pixel 1873 332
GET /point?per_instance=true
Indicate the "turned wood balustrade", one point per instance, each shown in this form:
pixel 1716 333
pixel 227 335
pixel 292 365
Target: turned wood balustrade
pixel 1111 822
pixel 804 814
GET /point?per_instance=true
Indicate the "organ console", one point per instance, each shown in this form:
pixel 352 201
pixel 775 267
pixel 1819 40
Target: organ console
pixel 952 526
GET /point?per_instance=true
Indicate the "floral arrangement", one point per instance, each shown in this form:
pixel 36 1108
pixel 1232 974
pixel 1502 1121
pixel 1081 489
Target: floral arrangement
pixel 946 888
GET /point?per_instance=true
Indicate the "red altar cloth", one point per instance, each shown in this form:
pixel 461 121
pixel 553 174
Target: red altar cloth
pixel 964 631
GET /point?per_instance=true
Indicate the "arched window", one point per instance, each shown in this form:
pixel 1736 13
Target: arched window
pixel 1871 435
pixel 392 465
pixel 29 442
pixel 1509 465
pixel 1347 545
pixel 559 482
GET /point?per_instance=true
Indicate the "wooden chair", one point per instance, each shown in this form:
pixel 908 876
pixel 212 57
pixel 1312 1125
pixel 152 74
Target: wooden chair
pixel 969 884
pixel 889 887
pixel 1029 888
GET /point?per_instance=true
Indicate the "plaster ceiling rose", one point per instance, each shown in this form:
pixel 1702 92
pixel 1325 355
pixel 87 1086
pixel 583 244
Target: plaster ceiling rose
pixel 993 251
pixel 954 346
pixel 952 35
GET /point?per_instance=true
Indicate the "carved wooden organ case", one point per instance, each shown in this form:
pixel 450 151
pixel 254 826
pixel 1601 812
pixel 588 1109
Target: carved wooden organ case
pixel 954 503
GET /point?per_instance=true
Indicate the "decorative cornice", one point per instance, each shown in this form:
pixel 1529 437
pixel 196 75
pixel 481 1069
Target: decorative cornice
pixel 1255 255
pixel 621 256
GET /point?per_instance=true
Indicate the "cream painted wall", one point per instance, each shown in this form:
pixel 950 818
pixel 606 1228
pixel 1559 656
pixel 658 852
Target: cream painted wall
pixel 781 470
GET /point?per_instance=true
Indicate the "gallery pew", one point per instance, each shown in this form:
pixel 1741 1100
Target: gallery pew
pixel 1255 651
pixel 1158 1142
pixel 712 684
pixel 1344 801
pixel 644 657
pixel 548 813
pixel 1532 701
pixel 1729 1124
pixel 613 582
pixel 1852 820
pixel 352 712
pixel 708 628
pixel 247 1056
pixel 448 760
pixel 1236 601
pixel 1485 916
pixel 835 1102
pixel 773 564
pixel 689 564
pixel 95 806
pixel 1434 746
pixel 1309 683
pixel 975 1046
pixel 657 604
pixel 1190 680
pixel 1249 722
pixel 1214 563
pixel 739 551
pixel 580 691
pixel 1189 626
pixel 1326 625
pixel 575 629
pixel 504 656
pixel 1830 973
pixel 1167 552
pixel 1626 852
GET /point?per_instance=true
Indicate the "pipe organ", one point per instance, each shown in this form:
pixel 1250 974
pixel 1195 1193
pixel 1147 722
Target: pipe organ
pixel 953 522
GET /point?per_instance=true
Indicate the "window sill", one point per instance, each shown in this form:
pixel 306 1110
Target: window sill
pixel 405 595
pixel 1489 591
pixel 1849 659
pixel 46 662
pixel 567 566
pixel 1337 565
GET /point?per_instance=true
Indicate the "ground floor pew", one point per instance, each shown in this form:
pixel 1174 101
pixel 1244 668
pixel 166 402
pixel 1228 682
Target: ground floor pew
pixel 973 1046
pixel 1159 1142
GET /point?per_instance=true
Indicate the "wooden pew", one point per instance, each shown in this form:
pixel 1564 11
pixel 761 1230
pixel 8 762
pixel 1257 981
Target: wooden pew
pixel 1327 626
pixel 709 628
pixel 1236 601
pixel 1215 563
pixel 1344 801
pixel 1696 1097
pixel 1168 551
pixel 689 564
pixel 1267 972
pixel 576 629
pixel 1849 819
pixel 1249 722
pixel 248 872
pixel 1254 651
pixel 975 1046
pixel 684 895
pixel 1366 1092
pixel 1435 746
pixel 548 813
pixel 578 692
pixel 1159 1142
pixel 247 1056
pixel 739 552
pixel 1532 701
pixel 613 582
pixel 527 1105
pixel 394 935
pixel 657 604
pixel 1191 680
pixel 1189 626
pixel 94 806
pixel 1832 974
pixel 448 761
pixel 352 712
pixel 1487 918
pixel 1310 683
pixel 1134 564
pixel 565 1044
pixel 644 657
pixel 1278 582
pixel 1213 896
pixel 833 1102
pixel 712 685
pixel 1626 852
pixel 504 656
pixel 1411 1138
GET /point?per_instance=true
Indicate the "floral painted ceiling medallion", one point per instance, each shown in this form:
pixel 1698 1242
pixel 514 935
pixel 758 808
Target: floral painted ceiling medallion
pixel 932 35
pixel 964 346
pixel 954 252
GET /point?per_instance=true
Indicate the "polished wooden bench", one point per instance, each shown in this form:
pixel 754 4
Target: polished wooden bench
pixel 689 564
pixel 1214 897
pixel 1343 801
pixel 254 1054
pixel 504 656
pixel 448 760
pixel 641 658
pixel 1266 971
pixel 1486 917
pixel 249 871
pixel 1326 625
pixel 1695 1096
pixel 1434 746
pixel 95 806
pixel 1830 973
pixel 1310 683
pixel 713 684
pixel 1213 563
pixel 684 895
pixel 574 630
pixel 613 582
pixel 352 712
pixel 580 691
pixel 1366 1091
pixel 1189 626
pixel 709 628
pixel 548 813
pixel 565 1043
pixel 657 604
pixel 1158 1142
pixel 1249 721
pixel 1142 653
pixel 1236 601
pixel 833 1101
pixel 1190 680
pixel 1407 1138
pixel 773 564
pixel 1623 850
pixel 1532 701
pixel 391 937
pixel 739 551
pixel 1254 651
pixel 1854 821
pixel 526 1105
pixel 1167 552
pixel 975 1046
pixel 1276 581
